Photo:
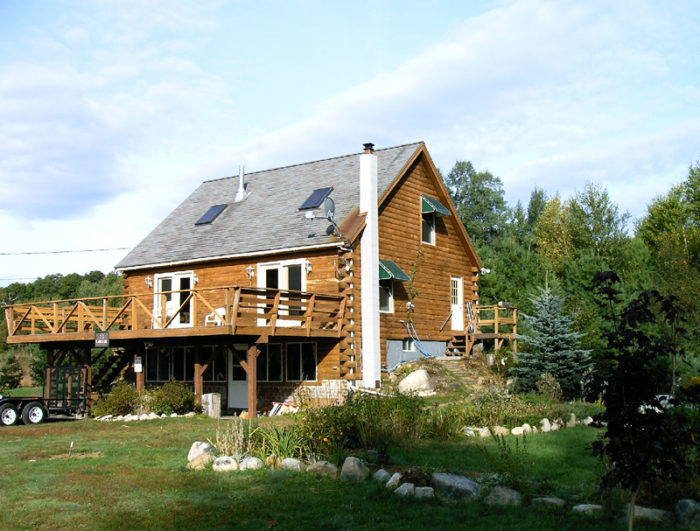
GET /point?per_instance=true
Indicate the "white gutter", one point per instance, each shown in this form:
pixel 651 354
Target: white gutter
pixel 231 256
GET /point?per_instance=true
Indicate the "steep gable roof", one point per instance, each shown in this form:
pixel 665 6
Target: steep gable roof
pixel 269 219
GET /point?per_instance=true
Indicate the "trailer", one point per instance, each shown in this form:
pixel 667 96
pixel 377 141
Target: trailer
pixel 65 394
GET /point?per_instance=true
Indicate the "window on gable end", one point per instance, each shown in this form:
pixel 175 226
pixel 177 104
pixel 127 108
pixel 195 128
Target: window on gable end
pixel 386 295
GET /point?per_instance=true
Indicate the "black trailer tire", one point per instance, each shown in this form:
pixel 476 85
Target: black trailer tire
pixel 8 415
pixel 34 413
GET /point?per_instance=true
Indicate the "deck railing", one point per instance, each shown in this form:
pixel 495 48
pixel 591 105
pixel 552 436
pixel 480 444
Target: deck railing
pixel 245 310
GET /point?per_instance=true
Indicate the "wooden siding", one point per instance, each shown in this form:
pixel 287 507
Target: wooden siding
pixel 400 234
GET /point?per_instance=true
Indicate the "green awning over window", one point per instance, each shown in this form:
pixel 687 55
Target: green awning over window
pixel 430 204
pixel 389 269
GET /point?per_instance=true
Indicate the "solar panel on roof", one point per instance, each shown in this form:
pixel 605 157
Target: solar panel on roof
pixel 316 198
pixel 211 214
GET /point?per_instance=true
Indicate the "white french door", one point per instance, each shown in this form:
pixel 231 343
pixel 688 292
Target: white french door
pixel 457 303
pixel 237 378
pixel 286 275
pixel 165 285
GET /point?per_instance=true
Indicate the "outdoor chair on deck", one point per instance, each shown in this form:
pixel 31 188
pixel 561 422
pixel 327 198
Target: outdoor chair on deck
pixel 170 309
pixel 216 318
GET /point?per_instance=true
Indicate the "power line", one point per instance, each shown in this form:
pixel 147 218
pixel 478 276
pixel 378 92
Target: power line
pixel 25 253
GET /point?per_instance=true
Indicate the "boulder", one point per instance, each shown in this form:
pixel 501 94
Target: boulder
pixel 381 475
pixel 500 431
pixel 354 470
pixel 201 462
pixel 190 414
pixel 469 431
pixel 144 416
pixel 518 431
pixel 198 448
pixel 688 513
pixel 291 463
pixel 647 513
pixel 484 432
pixel 406 489
pixel 454 487
pixel 572 421
pixel 527 428
pixel 587 421
pixel 545 426
pixel 418 382
pixel 554 426
pixel 503 496
pixel 251 463
pixel 323 468
pixel 549 501
pixel 590 509
pixel 394 481
pixel 225 464
pixel 423 493
pixel 173 415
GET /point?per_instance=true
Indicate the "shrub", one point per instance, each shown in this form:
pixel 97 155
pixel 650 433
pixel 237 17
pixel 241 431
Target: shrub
pixel 11 372
pixel 496 406
pixel 123 400
pixel 281 443
pixel 548 386
pixel 173 397
pixel 234 438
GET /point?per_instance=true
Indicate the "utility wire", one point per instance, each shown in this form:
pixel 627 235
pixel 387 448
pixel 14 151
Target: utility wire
pixel 24 253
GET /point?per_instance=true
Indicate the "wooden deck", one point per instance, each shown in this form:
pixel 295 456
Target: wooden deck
pixel 232 310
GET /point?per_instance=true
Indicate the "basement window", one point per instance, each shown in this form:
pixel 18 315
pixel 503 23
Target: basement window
pixel 211 215
pixel 407 345
pixel 316 198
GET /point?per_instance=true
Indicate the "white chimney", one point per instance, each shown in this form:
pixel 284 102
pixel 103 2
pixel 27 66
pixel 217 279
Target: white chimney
pixel 240 193
pixel 369 270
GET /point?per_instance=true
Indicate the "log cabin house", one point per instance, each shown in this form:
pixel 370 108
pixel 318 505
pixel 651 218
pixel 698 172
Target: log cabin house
pixel 317 276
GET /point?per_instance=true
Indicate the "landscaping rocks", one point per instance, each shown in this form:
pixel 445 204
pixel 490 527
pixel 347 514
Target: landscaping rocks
pixel 527 429
pixel 381 475
pixel 500 431
pixel 588 508
pixel 354 470
pixel 225 464
pixel 323 468
pixel 424 493
pixel 545 426
pixel 469 431
pixel 688 513
pixel 201 462
pixel 418 383
pixel 518 431
pixel 587 421
pixel 291 463
pixel 453 487
pixel 653 515
pixel 406 489
pixel 251 463
pixel 548 501
pixel 503 496
pixel 394 481
pixel 198 448
pixel 484 432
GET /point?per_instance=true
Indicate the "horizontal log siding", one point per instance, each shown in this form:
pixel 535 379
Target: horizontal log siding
pixel 322 279
pixel 399 240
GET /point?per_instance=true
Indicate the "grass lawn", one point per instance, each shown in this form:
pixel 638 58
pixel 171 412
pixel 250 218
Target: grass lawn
pixel 25 391
pixel 133 476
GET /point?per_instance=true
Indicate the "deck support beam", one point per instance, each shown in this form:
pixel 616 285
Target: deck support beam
pixel 140 376
pixel 250 365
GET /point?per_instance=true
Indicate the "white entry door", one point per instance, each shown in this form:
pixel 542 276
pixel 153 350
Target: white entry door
pixel 237 378
pixel 181 283
pixel 457 303
pixel 287 275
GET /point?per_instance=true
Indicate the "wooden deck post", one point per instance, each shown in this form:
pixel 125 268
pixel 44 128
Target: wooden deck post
pixel 250 365
pixel 140 376
pixel 198 376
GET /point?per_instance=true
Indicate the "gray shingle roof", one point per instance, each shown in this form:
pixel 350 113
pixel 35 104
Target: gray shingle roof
pixel 269 218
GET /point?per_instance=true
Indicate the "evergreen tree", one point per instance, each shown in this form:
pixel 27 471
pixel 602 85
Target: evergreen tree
pixel 11 372
pixel 552 347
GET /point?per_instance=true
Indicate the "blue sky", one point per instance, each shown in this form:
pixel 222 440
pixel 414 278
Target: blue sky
pixel 111 112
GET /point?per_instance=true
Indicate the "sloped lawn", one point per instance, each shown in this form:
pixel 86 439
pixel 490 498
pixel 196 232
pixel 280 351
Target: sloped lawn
pixel 133 476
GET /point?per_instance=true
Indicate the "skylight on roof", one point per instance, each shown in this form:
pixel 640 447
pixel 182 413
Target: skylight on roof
pixel 316 198
pixel 211 214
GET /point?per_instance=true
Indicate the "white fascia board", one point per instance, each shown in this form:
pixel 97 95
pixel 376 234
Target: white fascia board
pixel 231 256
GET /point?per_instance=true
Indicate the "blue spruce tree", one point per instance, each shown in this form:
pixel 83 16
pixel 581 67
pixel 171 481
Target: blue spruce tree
pixel 552 347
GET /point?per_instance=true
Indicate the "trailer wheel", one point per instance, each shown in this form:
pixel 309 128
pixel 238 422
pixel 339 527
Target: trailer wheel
pixel 33 413
pixel 8 415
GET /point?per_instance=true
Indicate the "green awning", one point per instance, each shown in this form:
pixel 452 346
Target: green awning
pixel 389 269
pixel 430 204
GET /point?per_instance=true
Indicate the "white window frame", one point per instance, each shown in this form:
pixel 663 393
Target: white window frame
pixel 387 282
pixel 432 217
pixel 280 265
pixel 301 361
pixel 408 342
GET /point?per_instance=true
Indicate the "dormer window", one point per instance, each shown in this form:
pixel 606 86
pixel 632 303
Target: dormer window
pixel 430 209
pixel 211 215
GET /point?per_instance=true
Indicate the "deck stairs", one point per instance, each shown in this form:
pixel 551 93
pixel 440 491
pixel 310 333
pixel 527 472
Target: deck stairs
pixel 457 346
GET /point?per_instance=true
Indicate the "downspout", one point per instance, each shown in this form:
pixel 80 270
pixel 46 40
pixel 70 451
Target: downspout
pixel 369 270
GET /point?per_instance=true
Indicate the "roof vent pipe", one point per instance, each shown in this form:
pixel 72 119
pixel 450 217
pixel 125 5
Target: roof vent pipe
pixel 241 193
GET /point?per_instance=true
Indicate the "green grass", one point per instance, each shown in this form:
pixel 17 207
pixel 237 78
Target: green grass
pixel 133 475
pixel 24 391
